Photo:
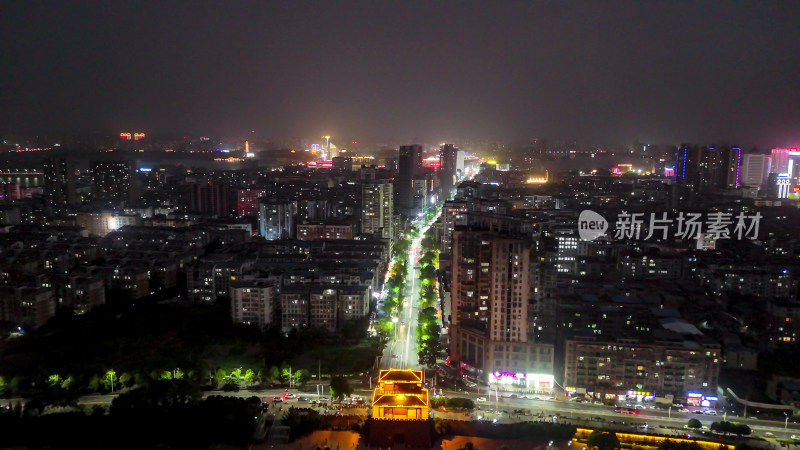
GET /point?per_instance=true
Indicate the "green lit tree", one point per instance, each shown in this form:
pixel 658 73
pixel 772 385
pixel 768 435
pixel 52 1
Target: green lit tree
pixel 249 376
pixel 429 352
pixel 274 374
pixel 221 376
pixel 110 379
pixel 339 388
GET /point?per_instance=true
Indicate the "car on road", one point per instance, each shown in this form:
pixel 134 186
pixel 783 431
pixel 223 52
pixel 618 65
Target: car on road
pixel 711 412
pixel 626 410
pixel 323 399
pixel 769 435
pixel 287 395
pixel 683 410
pixel 277 400
pixel 550 398
pixel 795 436
pixel 481 399
pixel 699 411
pixel 536 397
pixel 302 399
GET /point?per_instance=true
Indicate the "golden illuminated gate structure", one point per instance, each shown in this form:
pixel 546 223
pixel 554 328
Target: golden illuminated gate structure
pixel 400 395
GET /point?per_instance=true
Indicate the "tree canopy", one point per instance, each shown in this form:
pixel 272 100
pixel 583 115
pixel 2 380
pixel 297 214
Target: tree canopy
pixel 339 388
pixel 603 440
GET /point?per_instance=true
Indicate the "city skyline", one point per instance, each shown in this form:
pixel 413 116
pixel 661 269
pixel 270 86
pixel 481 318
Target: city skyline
pixel 464 225
pixel 597 72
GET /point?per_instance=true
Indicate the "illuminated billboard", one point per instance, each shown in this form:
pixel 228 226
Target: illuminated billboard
pixel 538 381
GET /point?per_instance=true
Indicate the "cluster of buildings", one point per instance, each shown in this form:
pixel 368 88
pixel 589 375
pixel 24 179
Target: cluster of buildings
pixel 528 302
pixel 532 305
pixel 708 168
pixel 294 247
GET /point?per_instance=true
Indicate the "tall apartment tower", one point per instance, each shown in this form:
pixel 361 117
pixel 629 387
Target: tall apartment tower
pixel 755 169
pixel 59 182
pixel 276 219
pixel 113 182
pixel 733 168
pixel 490 322
pixel 377 209
pixel 490 286
pixel 786 161
pixel 686 164
pixel 448 158
pixel 409 166
pixel 708 168
pixel 209 198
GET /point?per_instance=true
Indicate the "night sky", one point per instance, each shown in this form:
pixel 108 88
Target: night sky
pixel 599 72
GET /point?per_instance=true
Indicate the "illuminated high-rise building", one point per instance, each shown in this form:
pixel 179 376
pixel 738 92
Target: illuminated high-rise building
pixel 708 168
pixel 377 209
pixel 786 160
pixel 732 164
pixel 113 183
pixel 208 197
pixel 686 164
pixel 409 167
pixel 755 169
pixel 780 159
pixel 448 171
pixel 276 219
pixel 59 182
pixel 247 201
pixel 490 326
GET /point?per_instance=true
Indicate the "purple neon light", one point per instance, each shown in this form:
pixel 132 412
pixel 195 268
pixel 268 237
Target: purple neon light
pixel 683 175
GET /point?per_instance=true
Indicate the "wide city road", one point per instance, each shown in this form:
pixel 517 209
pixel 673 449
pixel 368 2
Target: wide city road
pixel 567 411
pixel 507 410
pixel 401 350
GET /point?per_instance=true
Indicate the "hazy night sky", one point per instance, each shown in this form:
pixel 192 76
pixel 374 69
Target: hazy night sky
pixel 602 72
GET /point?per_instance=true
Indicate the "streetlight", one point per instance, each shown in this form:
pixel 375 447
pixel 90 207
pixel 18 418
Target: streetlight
pixel 785 425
